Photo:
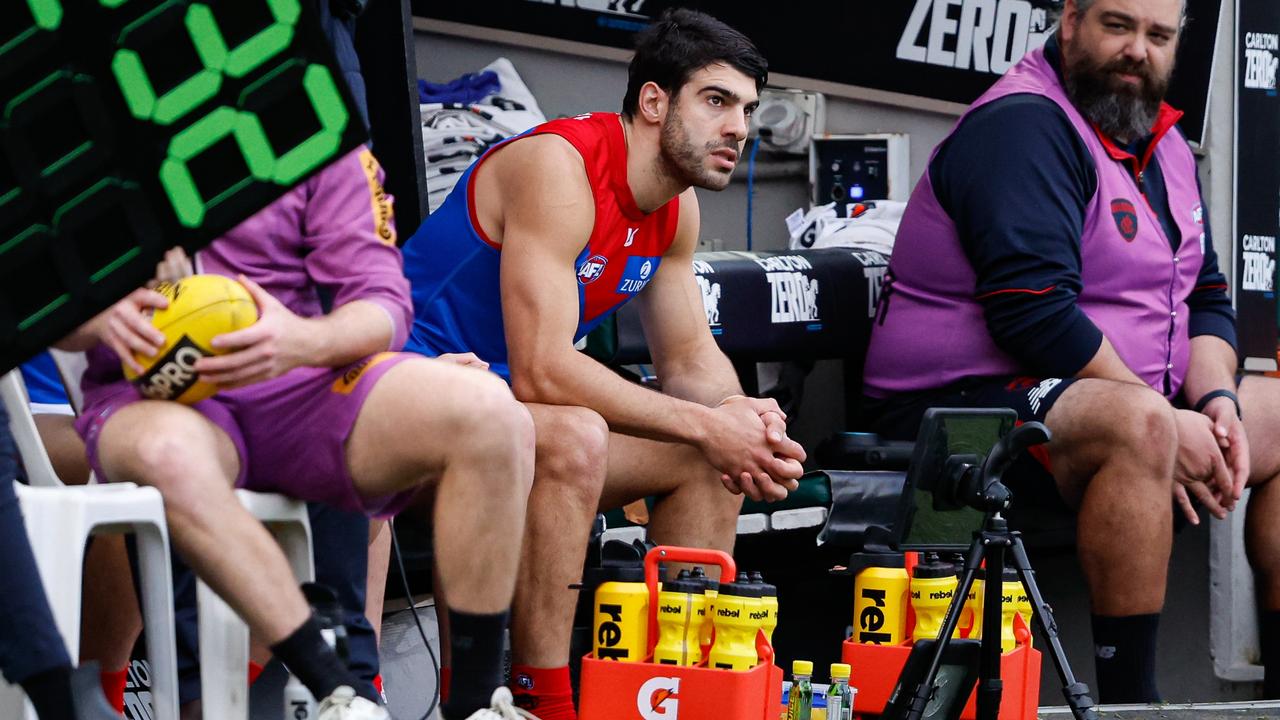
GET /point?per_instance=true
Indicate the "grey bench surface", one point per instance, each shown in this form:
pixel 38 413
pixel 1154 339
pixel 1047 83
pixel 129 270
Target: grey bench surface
pixel 1198 711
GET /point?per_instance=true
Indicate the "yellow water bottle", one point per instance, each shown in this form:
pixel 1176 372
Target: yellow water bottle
pixel 1013 596
pixel 768 605
pixel 621 622
pixel 1025 610
pixel 711 588
pixel 971 617
pixel 735 645
pixel 932 587
pixel 679 605
pixel 880 598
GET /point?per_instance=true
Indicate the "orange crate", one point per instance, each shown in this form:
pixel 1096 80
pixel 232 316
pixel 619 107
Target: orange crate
pixel 610 690
pixel 876 669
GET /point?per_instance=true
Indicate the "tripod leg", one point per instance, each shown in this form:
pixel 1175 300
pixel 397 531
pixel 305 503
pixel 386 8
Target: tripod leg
pixel 1076 692
pixel 922 693
pixel 990 686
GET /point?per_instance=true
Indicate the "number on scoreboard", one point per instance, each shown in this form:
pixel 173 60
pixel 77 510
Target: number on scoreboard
pixel 132 126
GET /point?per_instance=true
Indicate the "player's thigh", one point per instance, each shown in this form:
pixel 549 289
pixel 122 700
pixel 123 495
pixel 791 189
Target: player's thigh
pixel 421 413
pixel 639 468
pixel 1095 422
pixel 1260 405
pixel 64 446
pixel 167 445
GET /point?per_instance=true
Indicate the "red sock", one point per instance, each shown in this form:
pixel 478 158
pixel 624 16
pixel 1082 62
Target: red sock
pixel 377 685
pixel 545 692
pixel 446 674
pixel 113 683
pixel 254 671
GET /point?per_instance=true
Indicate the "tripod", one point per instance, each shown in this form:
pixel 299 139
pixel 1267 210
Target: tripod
pixel 986 492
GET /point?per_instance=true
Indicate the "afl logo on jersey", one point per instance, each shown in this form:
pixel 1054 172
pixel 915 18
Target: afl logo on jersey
pixel 592 269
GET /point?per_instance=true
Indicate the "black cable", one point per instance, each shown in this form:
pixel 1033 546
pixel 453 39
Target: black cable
pixel 404 578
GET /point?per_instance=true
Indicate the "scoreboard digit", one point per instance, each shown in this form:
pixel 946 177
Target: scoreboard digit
pixel 131 126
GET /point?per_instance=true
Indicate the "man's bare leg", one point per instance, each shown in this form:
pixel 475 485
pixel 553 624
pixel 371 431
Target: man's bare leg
pixel 1260 405
pixel 1113 452
pixel 572 456
pixel 476 442
pixel 193 463
pixel 379 564
pixel 693 509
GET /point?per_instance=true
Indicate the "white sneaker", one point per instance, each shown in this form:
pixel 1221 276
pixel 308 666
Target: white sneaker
pixel 344 704
pixel 500 708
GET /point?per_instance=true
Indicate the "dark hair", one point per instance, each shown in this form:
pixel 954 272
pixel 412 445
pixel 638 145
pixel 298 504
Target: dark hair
pixel 682 42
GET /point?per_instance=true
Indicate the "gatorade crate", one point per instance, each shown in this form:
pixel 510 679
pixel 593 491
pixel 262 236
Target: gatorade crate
pixel 612 690
pixel 876 669
pixel 643 691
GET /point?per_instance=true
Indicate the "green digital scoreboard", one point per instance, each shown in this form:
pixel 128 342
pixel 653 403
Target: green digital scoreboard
pixel 132 126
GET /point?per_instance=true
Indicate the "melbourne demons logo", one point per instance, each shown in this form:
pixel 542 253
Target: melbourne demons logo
pixel 1126 217
pixel 592 269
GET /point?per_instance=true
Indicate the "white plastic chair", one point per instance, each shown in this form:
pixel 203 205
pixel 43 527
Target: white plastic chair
pixel 60 519
pixel 224 638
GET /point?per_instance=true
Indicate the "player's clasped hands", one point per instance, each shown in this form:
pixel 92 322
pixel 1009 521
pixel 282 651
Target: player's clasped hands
pixel 749 445
pixel 1201 468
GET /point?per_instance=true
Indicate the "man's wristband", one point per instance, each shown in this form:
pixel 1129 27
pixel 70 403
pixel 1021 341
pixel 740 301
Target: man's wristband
pixel 1217 394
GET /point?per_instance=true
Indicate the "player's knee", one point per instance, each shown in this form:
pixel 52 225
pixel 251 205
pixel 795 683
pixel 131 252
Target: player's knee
pixel 1143 429
pixel 161 449
pixel 490 420
pixel 573 449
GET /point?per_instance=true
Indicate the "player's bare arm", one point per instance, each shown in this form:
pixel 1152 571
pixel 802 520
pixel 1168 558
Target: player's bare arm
pixel 545 218
pixel 685 356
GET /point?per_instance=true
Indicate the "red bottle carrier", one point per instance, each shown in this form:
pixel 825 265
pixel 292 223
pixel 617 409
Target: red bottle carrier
pixel 876 669
pixel 612 690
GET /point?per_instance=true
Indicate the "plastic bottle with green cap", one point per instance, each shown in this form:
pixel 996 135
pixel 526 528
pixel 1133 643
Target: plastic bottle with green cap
pixel 800 700
pixel 839 694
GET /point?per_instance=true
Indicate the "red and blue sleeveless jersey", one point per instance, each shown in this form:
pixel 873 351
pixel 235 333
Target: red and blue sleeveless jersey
pixel 453 267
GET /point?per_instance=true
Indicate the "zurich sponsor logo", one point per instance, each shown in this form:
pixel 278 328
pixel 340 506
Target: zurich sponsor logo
pixel 592 269
pixel 637 273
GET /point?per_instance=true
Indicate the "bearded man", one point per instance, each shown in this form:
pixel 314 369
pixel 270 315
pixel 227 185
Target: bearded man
pixel 542 238
pixel 1056 258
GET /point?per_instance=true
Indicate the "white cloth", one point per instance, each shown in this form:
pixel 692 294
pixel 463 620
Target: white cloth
pixel 874 228
pixel 453 136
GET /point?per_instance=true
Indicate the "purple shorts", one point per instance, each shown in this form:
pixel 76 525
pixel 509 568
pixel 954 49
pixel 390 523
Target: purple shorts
pixel 290 432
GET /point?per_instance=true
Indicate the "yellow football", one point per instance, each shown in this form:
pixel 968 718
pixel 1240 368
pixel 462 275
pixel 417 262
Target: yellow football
pixel 201 307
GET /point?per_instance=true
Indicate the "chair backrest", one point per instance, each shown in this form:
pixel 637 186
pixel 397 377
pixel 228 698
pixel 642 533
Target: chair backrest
pixel 71 366
pixel 34 458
